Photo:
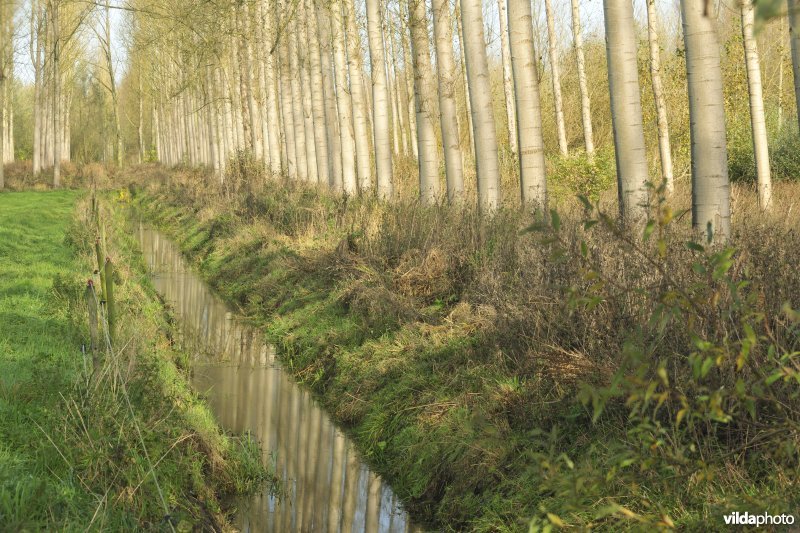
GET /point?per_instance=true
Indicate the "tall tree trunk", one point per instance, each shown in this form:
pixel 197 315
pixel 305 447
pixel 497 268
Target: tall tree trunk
pixel 480 91
pixel 758 120
pixel 396 145
pixel 532 171
pixel 317 94
pixel 446 69
pixel 508 81
pixel 381 104
pixel 343 101
pixel 794 41
pixel 56 62
pixel 658 96
pixel 626 109
pixel 711 211
pixel 308 107
pixel 555 73
pixel 586 105
pixel 358 94
pixel 401 89
pixel 467 105
pixel 36 53
pixel 424 102
pixel 140 122
pixel 331 112
pixel 250 73
pixel 408 71
pixel 271 89
pixel 287 106
pixel 301 154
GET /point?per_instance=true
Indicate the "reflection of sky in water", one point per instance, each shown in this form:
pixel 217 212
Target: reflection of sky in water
pixel 326 486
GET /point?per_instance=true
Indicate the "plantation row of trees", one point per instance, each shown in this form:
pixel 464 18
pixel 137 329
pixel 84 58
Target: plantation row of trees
pixel 286 81
pixel 347 94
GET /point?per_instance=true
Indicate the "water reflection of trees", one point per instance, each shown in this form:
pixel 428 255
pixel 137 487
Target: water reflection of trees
pixel 326 486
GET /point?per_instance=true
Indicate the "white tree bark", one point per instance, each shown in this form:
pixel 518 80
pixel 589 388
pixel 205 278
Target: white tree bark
pixel 424 103
pixel 532 172
pixel 446 70
pixel 358 94
pixel 287 106
pixel 271 89
pixel 626 109
pixel 317 94
pixel 486 161
pixel 381 103
pixel 508 77
pixel 331 112
pixel 301 154
pixel 401 90
pixel 308 109
pixel 658 96
pixel 408 71
pixel 344 103
pixel 555 73
pixel 583 84
pixel 758 120
pixel 711 211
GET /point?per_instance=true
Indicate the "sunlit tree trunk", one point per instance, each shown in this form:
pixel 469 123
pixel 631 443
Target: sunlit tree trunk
pixel 401 90
pixel 583 84
pixel 343 101
pixel 446 70
pixel 271 89
pixel 467 106
pixel 532 172
pixel 286 102
pixel 140 122
pixel 555 73
pixel 308 107
pixel 317 95
pixel 397 148
pixel 358 94
pixel 56 62
pixel 331 112
pixel 408 71
pixel 508 81
pixel 250 73
pixel 381 103
pixel 424 95
pixel 711 212
pixel 758 120
pixel 658 95
pixel 626 109
pixel 794 41
pixel 36 53
pixel 486 161
pixel 301 155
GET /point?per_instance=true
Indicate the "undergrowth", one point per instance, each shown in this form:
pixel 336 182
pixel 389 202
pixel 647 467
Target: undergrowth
pixel 503 373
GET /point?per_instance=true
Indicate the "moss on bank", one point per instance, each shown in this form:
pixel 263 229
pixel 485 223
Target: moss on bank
pixel 131 449
pixel 497 384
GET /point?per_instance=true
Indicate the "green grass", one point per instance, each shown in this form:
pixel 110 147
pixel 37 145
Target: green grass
pixel 71 454
pixel 39 356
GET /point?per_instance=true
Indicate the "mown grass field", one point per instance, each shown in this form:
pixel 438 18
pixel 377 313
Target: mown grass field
pixel 126 448
pixel 39 356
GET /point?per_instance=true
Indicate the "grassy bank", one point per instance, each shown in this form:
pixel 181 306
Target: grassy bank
pixel 126 447
pixel 569 375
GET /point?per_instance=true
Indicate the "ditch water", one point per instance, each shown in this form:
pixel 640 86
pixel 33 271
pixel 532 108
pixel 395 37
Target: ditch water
pixel 325 485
